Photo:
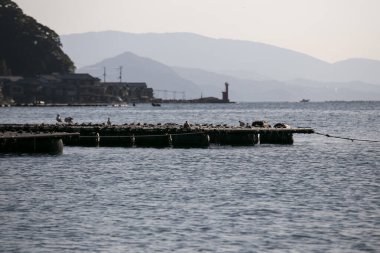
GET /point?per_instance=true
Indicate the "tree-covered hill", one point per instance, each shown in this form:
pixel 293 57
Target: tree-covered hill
pixel 28 48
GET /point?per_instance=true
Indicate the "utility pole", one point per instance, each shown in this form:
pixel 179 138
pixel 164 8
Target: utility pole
pixel 121 73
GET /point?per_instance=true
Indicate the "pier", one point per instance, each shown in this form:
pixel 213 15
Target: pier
pixel 157 135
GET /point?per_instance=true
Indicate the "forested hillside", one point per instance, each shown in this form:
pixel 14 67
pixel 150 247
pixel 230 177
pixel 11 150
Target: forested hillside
pixel 27 47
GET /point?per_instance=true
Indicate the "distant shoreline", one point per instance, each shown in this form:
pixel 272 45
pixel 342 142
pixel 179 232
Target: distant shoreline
pixel 190 102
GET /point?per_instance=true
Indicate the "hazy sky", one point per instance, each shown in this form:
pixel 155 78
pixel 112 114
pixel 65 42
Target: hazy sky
pixel 331 30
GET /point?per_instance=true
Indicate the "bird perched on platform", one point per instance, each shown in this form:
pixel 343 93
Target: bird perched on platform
pixel 58 118
pixel 281 125
pixel 241 123
pixel 261 123
pixel 69 120
pixel 186 125
pixel 108 122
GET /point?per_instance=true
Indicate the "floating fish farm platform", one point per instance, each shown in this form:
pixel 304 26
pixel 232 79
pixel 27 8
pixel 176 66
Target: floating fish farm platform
pixel 152 135
pixel 33 142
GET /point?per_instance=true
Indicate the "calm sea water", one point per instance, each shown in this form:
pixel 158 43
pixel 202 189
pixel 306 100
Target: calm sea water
pixel 320 194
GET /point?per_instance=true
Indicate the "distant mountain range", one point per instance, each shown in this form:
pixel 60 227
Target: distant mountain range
pixel 271 90
pixel 139 69
pixel 198 64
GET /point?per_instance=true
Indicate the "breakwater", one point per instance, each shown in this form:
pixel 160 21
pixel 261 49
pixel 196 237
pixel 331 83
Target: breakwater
pixel 162 135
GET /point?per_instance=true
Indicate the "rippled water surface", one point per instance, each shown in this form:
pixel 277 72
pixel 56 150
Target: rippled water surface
pixel 320 194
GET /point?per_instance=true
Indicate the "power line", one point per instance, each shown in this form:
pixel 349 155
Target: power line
pixel 173 92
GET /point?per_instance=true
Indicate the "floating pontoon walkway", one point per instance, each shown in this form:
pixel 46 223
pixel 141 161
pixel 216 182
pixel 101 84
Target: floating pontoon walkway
pixel 162 135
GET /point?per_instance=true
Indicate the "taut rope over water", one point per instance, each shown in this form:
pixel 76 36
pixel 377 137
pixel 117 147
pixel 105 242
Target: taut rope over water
pixel 345 138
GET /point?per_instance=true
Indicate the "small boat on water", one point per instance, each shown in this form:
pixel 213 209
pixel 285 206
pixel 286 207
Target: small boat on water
pixel 156 104
pixel 39 103
pixel 305 100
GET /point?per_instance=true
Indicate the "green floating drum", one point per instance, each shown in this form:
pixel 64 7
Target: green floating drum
pixel 158 141
pixel 116 141
pixel 52 146
pixel 88 140
pixel 238 138
pixel 276 138
pixel 190 140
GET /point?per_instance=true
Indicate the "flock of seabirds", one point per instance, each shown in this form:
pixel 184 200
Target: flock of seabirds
pixel 69 120
pixel 186 125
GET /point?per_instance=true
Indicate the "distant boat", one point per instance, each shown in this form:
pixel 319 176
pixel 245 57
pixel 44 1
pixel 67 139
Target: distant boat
pixel 39 102
pixel 156 104
pixel 305 100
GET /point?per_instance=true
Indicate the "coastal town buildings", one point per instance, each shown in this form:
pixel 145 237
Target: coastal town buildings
pixel 71 89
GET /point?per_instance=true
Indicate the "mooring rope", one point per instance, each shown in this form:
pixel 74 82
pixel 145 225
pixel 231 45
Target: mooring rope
pixel 195 133
pixel 345 138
